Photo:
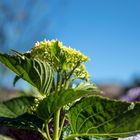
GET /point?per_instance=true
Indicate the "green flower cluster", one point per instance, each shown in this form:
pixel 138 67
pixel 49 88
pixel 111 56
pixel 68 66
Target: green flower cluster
pixel 61 58
pixel 37 101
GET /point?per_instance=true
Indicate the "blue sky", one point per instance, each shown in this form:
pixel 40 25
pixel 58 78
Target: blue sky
pixel 108 31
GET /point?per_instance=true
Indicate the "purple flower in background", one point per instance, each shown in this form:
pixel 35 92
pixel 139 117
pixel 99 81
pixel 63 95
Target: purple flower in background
pixel 132 95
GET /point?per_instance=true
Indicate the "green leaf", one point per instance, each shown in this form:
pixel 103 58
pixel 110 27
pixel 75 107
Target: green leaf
pixel 38 73
pixel 55 50
pixel 87 86
pixel 101 117
pixel 14 113
pixel 15 80
pixel 58 55
pixel 25 121
pixel 55 101
pixel 2 137
pixel 16 107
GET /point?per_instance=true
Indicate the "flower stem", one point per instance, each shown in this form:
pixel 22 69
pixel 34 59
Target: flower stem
pixel 61 126
pixel 43 134
pixel 56 125
pixel 47 132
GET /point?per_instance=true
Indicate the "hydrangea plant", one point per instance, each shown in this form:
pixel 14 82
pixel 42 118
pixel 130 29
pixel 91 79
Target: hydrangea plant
pixel 63 110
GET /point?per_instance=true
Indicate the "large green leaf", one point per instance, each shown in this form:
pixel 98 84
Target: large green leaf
pixel 25 121
pixel 36 72
pixel 15 107
pixel 101 117
pixel 56 100
pixel 14 113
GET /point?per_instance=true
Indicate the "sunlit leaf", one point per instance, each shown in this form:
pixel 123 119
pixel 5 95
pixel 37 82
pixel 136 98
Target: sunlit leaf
pixel 38 73
pixel 87 86
pixel 101 117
